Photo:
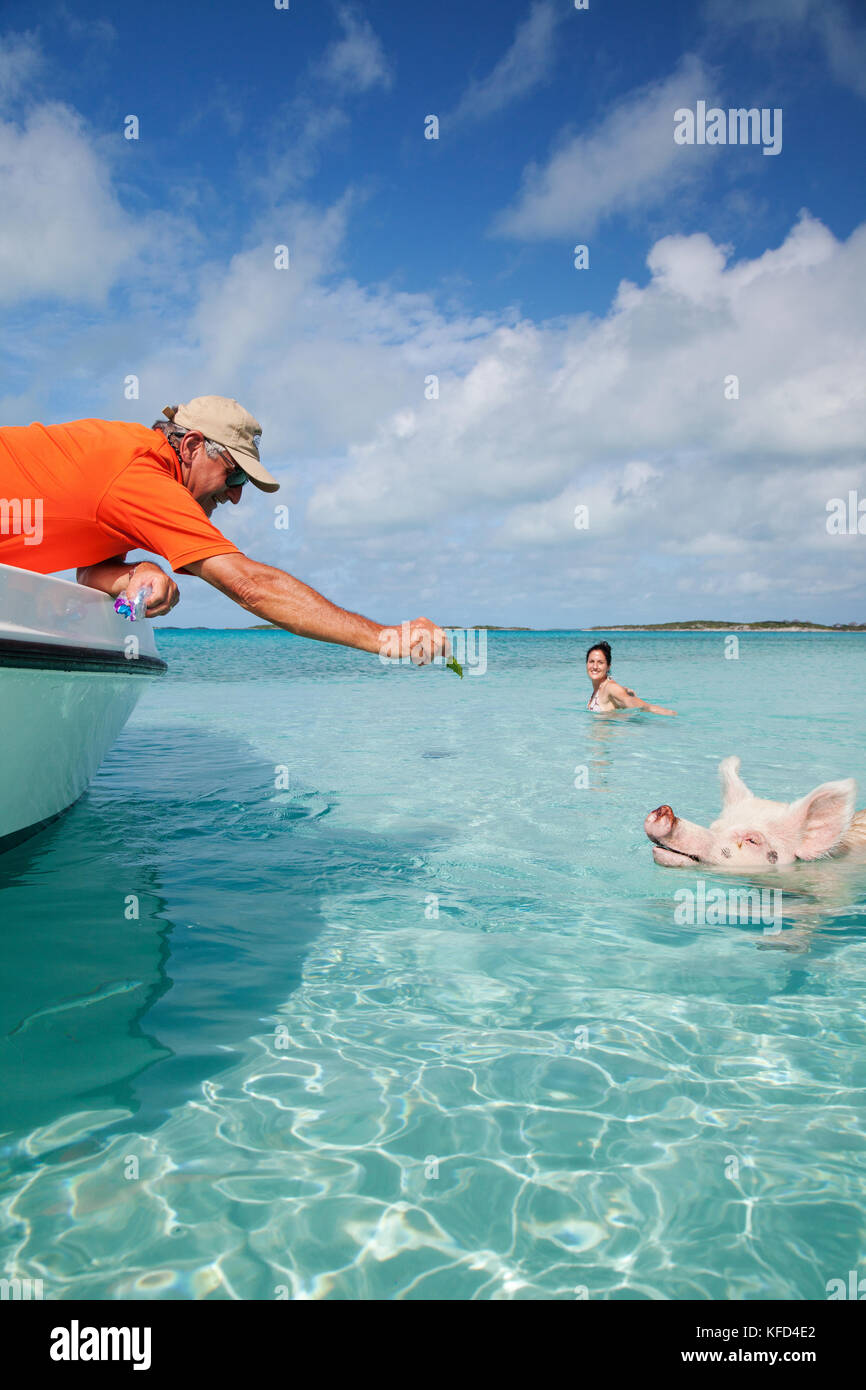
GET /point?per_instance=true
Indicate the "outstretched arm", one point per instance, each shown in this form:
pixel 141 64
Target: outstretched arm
pixel 277 597
pixel 626 699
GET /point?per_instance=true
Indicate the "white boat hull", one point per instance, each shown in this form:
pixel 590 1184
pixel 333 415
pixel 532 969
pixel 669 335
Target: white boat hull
pixel 71 673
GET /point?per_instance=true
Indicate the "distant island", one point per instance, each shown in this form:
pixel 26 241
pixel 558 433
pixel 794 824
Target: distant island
pixel 478 627
pixel 692 625
pixel 710 625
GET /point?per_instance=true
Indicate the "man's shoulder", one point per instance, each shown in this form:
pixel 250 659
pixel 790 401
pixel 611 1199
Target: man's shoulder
pixel 132 443
pixel 91 450
pixel 95 437
pixel 91 426
pixel 124 429
pixel 138 457
pixel 97 422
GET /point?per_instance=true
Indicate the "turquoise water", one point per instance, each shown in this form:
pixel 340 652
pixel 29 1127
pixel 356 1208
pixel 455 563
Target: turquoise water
pixel 334 984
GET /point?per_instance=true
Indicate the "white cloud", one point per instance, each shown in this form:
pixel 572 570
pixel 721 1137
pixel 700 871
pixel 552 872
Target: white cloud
pixel 315 114
pixel 284 168
pixel 525 65
pixel 20 62
pixel 844 44
pixel 608 499
pixel 838 28
pixel 628 161
pixel 357 61
pixel 550 416
pixel 63 232
pixel 318 358
pixel 97 33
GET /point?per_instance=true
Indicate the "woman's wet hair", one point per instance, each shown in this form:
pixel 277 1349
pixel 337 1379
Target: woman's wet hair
pixel 603 647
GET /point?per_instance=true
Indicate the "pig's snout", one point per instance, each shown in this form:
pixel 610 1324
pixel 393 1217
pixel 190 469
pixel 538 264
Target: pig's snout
pixel 659 822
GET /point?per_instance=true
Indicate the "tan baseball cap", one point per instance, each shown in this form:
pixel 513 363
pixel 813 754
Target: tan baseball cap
pixel 223 420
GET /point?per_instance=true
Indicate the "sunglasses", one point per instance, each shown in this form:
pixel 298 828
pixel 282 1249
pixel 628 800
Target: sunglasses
pixel 237 477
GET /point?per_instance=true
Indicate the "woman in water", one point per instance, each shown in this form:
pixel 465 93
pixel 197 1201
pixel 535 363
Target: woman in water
pixel 606 694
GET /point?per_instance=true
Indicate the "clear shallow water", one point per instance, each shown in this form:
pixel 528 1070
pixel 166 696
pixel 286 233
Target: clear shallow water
pixel 285 1072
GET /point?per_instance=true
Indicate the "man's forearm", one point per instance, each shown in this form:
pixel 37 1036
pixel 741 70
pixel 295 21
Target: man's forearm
pixel 108 576
pixel 277 597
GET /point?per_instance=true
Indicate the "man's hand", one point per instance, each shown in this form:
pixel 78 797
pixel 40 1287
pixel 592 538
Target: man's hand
pixel 165 592
pixel 114 576
pixel 420 640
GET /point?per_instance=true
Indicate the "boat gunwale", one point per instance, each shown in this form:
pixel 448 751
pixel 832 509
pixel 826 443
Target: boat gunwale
pixel 26 654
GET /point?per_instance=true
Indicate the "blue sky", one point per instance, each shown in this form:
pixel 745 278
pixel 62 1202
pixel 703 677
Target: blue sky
pixel 558 387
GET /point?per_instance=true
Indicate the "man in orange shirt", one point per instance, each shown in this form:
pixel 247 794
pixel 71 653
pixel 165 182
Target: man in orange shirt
pixel 84 493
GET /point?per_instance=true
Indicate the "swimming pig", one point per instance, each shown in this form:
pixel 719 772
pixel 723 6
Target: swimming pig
pixel 752 833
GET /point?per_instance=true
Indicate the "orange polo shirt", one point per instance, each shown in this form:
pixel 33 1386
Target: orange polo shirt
pixel 73 494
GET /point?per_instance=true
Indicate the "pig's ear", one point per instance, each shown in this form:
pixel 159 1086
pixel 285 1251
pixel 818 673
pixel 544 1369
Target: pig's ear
pixel 818 821
pixel 734 788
